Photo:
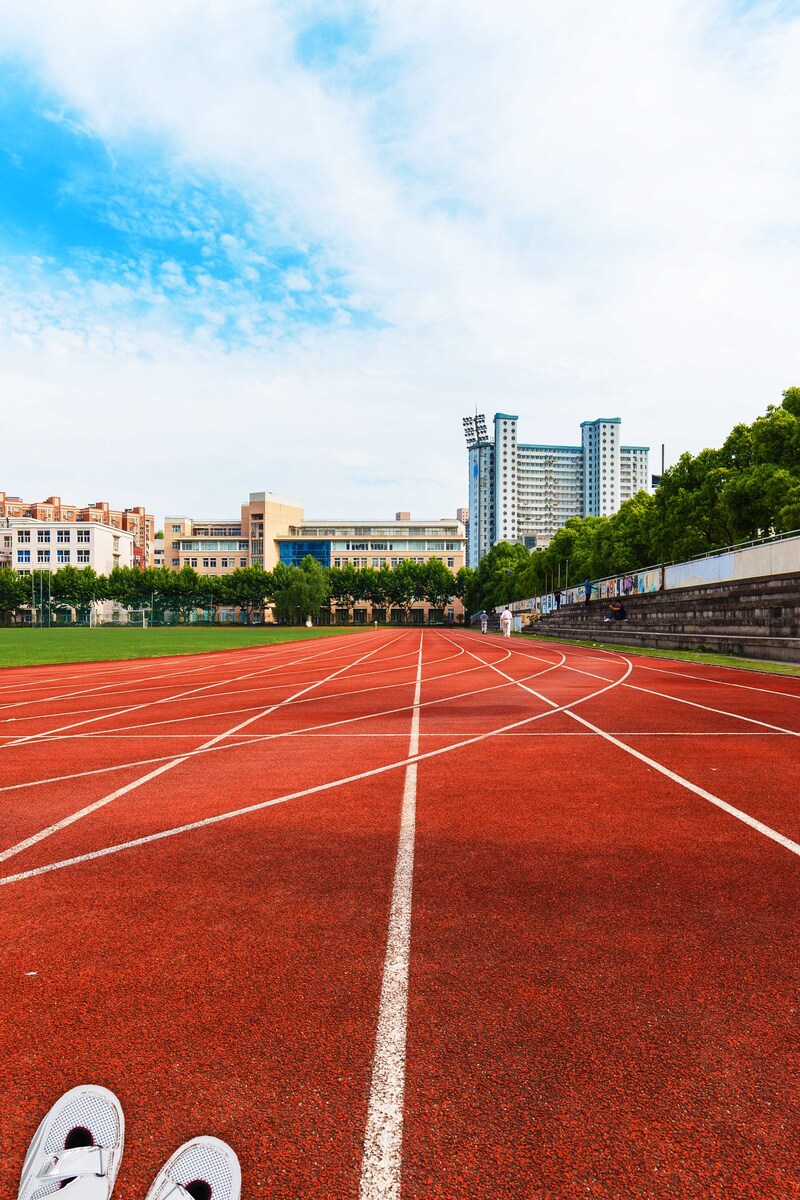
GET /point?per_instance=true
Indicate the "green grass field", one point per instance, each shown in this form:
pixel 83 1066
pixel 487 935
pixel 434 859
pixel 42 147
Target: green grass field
pixel 30 647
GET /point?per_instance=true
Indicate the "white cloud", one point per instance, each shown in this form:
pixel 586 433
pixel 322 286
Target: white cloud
pixel 565 210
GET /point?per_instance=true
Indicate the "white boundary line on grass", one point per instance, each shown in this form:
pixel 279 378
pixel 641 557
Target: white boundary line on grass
pixel 381 1164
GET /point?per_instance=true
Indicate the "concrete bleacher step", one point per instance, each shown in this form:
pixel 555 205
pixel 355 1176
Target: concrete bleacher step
pixel 753 618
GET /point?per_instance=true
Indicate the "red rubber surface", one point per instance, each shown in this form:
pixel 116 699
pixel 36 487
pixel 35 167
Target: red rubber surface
pixel 603 981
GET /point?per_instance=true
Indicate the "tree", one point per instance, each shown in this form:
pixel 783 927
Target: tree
pixel 77 588
pixel 438 583
pixel 406 585
pixel 249 588
pixel 376 586
pixel 302 592
pixel 15 591
pixel 346 585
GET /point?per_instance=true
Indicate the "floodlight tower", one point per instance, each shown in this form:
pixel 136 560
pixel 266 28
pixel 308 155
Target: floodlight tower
pixel 477 437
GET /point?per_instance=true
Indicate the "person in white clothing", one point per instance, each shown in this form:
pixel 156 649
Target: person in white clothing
pixel 505 621
pixel 484 620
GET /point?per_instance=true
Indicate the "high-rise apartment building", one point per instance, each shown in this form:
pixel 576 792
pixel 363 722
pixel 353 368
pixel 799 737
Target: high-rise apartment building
pixel 520 492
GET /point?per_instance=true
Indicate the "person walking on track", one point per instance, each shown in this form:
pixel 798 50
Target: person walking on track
pixel 484 616
pixel 505 621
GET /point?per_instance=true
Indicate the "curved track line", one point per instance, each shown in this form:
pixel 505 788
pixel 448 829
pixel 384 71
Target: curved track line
pixel 739 814
pixel 70 820
pixel 35 737
pixel 318 788
pixel 124 665
pixel 56 736
pixel 113 710
pixel 720 712
pixel 185 756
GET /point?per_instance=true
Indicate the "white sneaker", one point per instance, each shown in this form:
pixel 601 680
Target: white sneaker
pixel 77 1148
pixel 202 1169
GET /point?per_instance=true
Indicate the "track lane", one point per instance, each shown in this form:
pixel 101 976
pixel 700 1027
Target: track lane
pixel 580 952
pixel 472 1132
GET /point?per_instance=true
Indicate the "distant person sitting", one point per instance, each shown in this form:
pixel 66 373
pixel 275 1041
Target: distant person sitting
pixel 616 611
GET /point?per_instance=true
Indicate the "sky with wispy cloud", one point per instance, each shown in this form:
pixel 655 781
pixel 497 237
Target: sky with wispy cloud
pixel 286 244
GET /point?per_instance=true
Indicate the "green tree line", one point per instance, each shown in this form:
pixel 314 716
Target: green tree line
pixel 295 593
pixel 748 488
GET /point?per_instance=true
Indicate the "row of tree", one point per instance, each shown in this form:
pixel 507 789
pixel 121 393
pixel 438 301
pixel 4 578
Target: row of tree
pixel 747 489
pixel 294 593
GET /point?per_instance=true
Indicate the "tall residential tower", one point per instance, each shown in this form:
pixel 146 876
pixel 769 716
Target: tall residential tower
pixel 522 492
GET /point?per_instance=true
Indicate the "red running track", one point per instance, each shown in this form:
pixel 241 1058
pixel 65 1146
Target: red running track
pixel 419 914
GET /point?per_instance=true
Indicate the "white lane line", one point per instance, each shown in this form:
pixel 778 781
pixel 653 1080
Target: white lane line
pixel 738 813
pixel 257 690
pixel 136 783
pixel 105 716
pixel 187 669
pixel 748 687
pixel 381 1164
pixel 311 791
pixel 113 710
pixel 721 712
pixel 252 740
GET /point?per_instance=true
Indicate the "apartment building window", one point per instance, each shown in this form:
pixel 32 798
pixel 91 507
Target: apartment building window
pixel 451 562
pixel 176 528
pixel 43 556
pixel 23 556
pixel 62 535
pixel 176 562
pixel 242 562
pixel 63 556
pixel 192 562
pixel 82 556
pixel 43 535
pixel 24 535
pixel 84 535
pixel 223 562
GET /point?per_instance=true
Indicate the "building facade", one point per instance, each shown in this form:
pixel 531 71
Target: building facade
pixel 525 492
pixel 375 543
pixel 219 545
pixel 27 545
pixel 272 529
pixel 135 521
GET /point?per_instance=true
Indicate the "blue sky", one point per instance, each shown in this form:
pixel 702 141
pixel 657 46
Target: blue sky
pixel 124 213
pixel 300 240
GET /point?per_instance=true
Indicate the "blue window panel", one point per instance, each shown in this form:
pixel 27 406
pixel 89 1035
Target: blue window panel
pixel 293 553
